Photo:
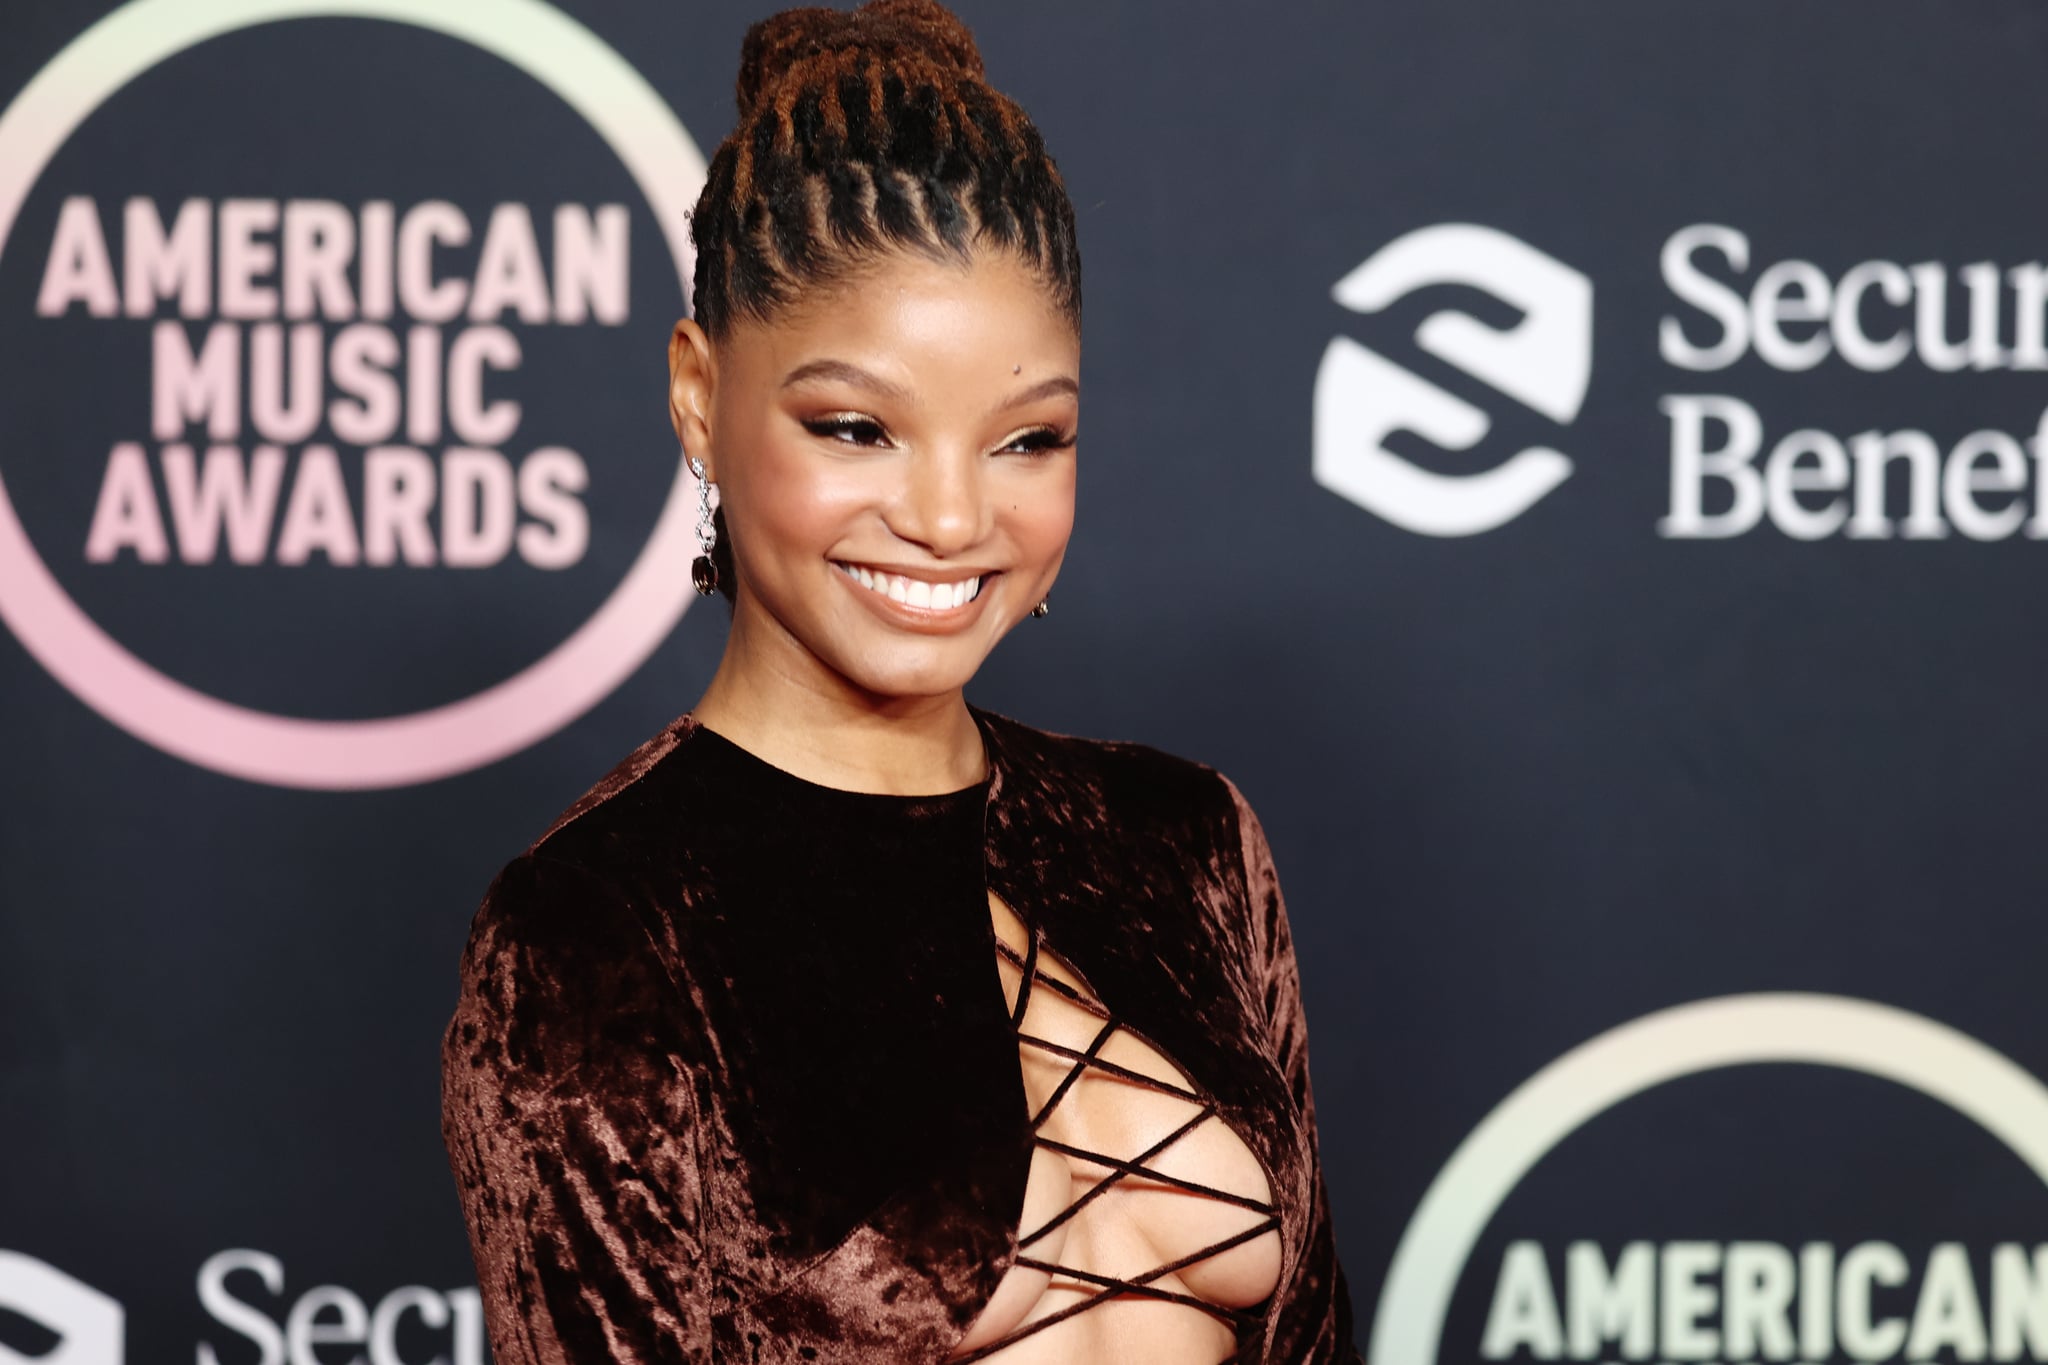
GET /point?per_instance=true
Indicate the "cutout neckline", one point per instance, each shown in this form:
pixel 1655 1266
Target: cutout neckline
pixel 1186 1087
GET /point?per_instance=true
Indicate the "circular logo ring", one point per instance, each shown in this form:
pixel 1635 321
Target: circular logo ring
pixel 391 751
pixel 1736 1030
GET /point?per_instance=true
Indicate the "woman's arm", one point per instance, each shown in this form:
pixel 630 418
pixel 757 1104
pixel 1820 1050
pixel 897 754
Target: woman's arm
pixel 571 1116
pixel 1314 1323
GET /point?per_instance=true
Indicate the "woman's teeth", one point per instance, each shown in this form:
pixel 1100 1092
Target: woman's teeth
pixel 914 592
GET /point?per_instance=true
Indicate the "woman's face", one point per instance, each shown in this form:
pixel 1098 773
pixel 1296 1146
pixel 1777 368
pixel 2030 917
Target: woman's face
pixel 895 460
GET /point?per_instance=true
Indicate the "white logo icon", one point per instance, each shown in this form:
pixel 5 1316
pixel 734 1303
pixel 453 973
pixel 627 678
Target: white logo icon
pixel 87 1322
pixel 1543 362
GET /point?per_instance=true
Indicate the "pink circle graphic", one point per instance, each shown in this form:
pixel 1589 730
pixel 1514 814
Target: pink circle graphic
pixel 391 751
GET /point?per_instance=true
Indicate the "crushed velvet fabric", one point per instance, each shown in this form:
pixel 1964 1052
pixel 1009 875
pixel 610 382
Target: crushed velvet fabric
pixel 732 1077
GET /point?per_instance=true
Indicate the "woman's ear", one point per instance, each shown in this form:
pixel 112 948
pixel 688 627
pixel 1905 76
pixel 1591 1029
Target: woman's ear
pixel 691 382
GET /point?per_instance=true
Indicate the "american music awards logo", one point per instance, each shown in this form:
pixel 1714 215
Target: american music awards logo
pixel 1721 1298
pixel 347 470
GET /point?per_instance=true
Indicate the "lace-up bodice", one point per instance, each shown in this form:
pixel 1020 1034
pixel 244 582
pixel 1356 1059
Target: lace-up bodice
pixel 1142 1210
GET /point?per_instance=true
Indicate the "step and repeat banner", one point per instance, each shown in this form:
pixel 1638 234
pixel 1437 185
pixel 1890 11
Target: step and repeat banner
pixel 1582 469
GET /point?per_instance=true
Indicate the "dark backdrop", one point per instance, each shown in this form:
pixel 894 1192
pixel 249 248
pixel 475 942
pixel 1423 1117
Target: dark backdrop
pixel 1524 785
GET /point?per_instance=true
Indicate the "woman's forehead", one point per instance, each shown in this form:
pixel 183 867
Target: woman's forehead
pixel 908 315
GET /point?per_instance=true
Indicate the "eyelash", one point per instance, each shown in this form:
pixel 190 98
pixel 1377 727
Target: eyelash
pixel 1044 440
pixel 833 428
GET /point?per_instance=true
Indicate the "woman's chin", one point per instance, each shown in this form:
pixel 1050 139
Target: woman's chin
pixel 906 672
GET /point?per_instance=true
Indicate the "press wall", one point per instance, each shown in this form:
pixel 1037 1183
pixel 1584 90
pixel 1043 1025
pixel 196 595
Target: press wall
pixel 1581 469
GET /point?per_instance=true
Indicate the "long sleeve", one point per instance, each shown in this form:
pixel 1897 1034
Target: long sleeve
pixel 571 1115
pixel 1315 1322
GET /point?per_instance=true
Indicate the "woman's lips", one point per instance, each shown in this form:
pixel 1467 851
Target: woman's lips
pixel 931 595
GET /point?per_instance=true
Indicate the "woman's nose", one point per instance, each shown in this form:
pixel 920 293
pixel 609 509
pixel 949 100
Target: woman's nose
pixel 943 507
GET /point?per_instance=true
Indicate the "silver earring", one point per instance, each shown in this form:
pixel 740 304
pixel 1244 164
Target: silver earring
pixel 1044 605
pixel 704 569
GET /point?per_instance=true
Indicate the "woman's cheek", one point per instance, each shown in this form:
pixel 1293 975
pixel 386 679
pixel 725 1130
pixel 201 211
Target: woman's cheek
pixel 807 497
pixel 1041 508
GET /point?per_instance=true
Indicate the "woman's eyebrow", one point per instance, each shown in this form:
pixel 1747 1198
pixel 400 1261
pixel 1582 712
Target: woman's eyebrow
pixel 845 373
pixel 1058 384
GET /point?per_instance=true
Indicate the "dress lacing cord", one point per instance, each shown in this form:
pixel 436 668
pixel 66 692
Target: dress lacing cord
pixel 1109 1286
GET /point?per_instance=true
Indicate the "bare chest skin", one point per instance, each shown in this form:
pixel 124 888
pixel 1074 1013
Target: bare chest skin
pixel 1092 1216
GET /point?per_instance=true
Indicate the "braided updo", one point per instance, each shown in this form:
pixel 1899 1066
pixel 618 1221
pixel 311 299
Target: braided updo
pixel 863 132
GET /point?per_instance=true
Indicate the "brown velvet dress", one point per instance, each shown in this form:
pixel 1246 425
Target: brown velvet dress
pixel 732 1076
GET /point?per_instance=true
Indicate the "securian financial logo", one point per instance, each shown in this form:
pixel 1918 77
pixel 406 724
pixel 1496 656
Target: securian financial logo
pixel 254 1315
pixel 1543 362
pixel 1914 328
pixel 77 1324
pixel 324 477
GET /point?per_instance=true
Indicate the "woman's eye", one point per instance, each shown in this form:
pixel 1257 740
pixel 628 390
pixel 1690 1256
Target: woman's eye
pixel 856 431
pixel 1040 441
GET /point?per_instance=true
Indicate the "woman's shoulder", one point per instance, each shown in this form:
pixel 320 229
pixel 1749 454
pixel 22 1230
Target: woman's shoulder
pixel 1124 779
pixel 617 799
pixel 572 874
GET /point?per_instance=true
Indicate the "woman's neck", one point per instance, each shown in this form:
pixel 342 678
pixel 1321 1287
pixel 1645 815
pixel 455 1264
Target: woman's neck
pixel 802 717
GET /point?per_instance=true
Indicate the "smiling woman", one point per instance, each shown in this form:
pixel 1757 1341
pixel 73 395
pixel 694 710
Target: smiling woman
pixel 915 424
pixel 845 1020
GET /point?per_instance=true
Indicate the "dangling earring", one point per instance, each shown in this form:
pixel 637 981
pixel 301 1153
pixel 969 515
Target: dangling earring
pixel 1044 605
pixel 704 569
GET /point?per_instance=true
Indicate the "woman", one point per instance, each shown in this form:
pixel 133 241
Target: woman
pixel 845 1021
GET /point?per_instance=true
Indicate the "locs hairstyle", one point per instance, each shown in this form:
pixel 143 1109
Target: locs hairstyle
pixel 860 133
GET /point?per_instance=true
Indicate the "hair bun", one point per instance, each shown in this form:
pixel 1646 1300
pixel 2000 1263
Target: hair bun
pixel 889 29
